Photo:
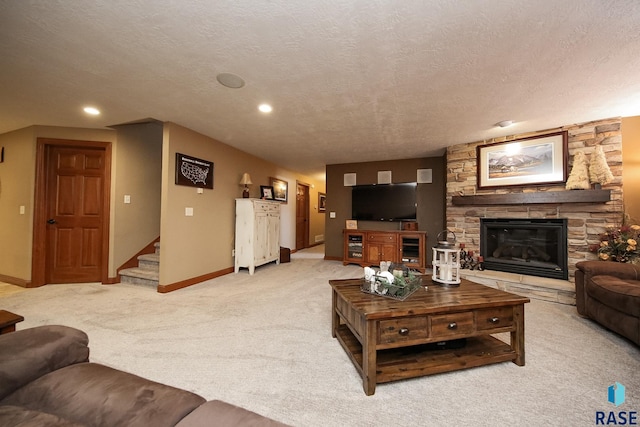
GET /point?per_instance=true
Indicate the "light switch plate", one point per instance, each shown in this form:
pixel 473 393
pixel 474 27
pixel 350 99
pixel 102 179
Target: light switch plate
pixel 127 198
pixel 188 211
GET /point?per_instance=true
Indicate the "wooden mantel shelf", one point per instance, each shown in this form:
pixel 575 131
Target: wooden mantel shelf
pixel 569 196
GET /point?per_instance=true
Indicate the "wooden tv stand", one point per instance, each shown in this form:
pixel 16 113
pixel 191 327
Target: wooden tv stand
pixel 369 247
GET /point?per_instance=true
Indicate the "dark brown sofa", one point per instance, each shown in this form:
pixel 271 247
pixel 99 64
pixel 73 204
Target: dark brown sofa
pixel 609 293
pixel 46 379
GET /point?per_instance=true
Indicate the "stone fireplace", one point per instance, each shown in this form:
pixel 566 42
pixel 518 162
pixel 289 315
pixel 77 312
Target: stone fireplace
pixel 587 212
pixel 532 246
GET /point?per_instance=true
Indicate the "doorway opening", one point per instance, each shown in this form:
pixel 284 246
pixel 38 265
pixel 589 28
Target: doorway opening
pixel 302 215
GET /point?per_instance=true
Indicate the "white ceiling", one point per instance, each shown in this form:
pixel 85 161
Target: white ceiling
pixel 349 80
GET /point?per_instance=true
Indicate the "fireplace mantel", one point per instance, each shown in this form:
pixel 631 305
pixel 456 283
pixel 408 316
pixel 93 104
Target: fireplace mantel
pixel 569 196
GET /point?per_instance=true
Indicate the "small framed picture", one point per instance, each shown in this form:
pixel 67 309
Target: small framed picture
pixel 322 202
pixel 266 192
pixel 351 224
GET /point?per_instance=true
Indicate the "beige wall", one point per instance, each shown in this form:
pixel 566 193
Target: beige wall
pixel 201 244
pixel 431 198
pixel 631 161
pixel 16 189
pixel 137 172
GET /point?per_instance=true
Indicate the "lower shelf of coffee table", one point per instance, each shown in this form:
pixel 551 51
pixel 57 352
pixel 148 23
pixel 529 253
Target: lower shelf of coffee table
pixel 414 361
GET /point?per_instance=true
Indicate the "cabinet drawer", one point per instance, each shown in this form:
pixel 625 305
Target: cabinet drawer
pixel 449 325
pixel 266 206
pixel 501 317
pixel 402 330
pixel 382 237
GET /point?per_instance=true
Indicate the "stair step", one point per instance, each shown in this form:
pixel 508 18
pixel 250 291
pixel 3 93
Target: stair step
pixel 149 262
pixel 140 276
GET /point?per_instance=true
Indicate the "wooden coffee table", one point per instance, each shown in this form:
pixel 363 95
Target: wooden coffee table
pixel 8 321
pixel 388 340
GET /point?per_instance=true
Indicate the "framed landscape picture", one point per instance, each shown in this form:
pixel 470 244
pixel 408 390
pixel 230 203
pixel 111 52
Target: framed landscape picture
pixel 280 189
pixel 528 161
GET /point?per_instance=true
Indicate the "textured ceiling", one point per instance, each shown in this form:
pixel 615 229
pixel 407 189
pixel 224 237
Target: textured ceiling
pixel 349 80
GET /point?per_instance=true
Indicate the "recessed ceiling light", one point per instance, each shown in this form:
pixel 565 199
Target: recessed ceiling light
pixel 92 110
pixel 265 108
pixel 505 123
pixel 230 80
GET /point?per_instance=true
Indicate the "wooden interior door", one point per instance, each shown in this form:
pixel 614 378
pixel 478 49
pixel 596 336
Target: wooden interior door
pixel 302 216
pixel 75 196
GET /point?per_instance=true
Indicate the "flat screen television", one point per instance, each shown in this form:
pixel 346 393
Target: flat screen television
pixel 384 202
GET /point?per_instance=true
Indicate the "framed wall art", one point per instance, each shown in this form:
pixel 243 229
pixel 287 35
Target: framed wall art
pixel 266 192
pixel 322 202
pixel 193 172
pixel 528 161
pixel 280 189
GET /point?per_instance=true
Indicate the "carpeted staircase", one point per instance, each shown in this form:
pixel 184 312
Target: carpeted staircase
pixel 146 273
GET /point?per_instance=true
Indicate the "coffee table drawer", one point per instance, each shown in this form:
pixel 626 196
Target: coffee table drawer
pixel 403 330
pixel 494 318
pixel 449 325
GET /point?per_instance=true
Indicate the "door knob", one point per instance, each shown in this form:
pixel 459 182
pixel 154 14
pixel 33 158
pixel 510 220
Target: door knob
pixel 51 221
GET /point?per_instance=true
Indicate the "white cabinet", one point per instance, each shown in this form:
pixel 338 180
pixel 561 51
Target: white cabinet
pixel 257 233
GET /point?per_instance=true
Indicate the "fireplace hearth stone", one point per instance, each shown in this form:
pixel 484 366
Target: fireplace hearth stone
pixel 541 288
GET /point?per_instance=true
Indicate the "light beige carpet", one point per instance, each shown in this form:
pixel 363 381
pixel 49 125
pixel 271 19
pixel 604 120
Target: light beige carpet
pixel 264 342
pixel 314 252
pixel 7 289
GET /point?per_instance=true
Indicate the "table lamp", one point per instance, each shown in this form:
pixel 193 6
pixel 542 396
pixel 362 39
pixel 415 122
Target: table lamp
pixel 246 181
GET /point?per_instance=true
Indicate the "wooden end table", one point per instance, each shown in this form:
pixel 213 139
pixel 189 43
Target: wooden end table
pixel 388 340
pixel 8 321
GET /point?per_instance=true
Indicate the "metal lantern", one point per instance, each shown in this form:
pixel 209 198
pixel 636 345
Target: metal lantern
pixel 446 260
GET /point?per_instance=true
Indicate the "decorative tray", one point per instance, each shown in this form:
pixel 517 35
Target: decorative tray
pixel 401 288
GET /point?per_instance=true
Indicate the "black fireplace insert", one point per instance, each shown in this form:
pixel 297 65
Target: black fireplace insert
pixel 532 246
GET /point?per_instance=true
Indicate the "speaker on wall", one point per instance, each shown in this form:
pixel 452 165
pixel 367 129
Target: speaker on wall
pixel 349 179
pixel 425 176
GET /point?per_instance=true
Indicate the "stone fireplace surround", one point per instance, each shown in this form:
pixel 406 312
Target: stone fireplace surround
pixel 586 220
